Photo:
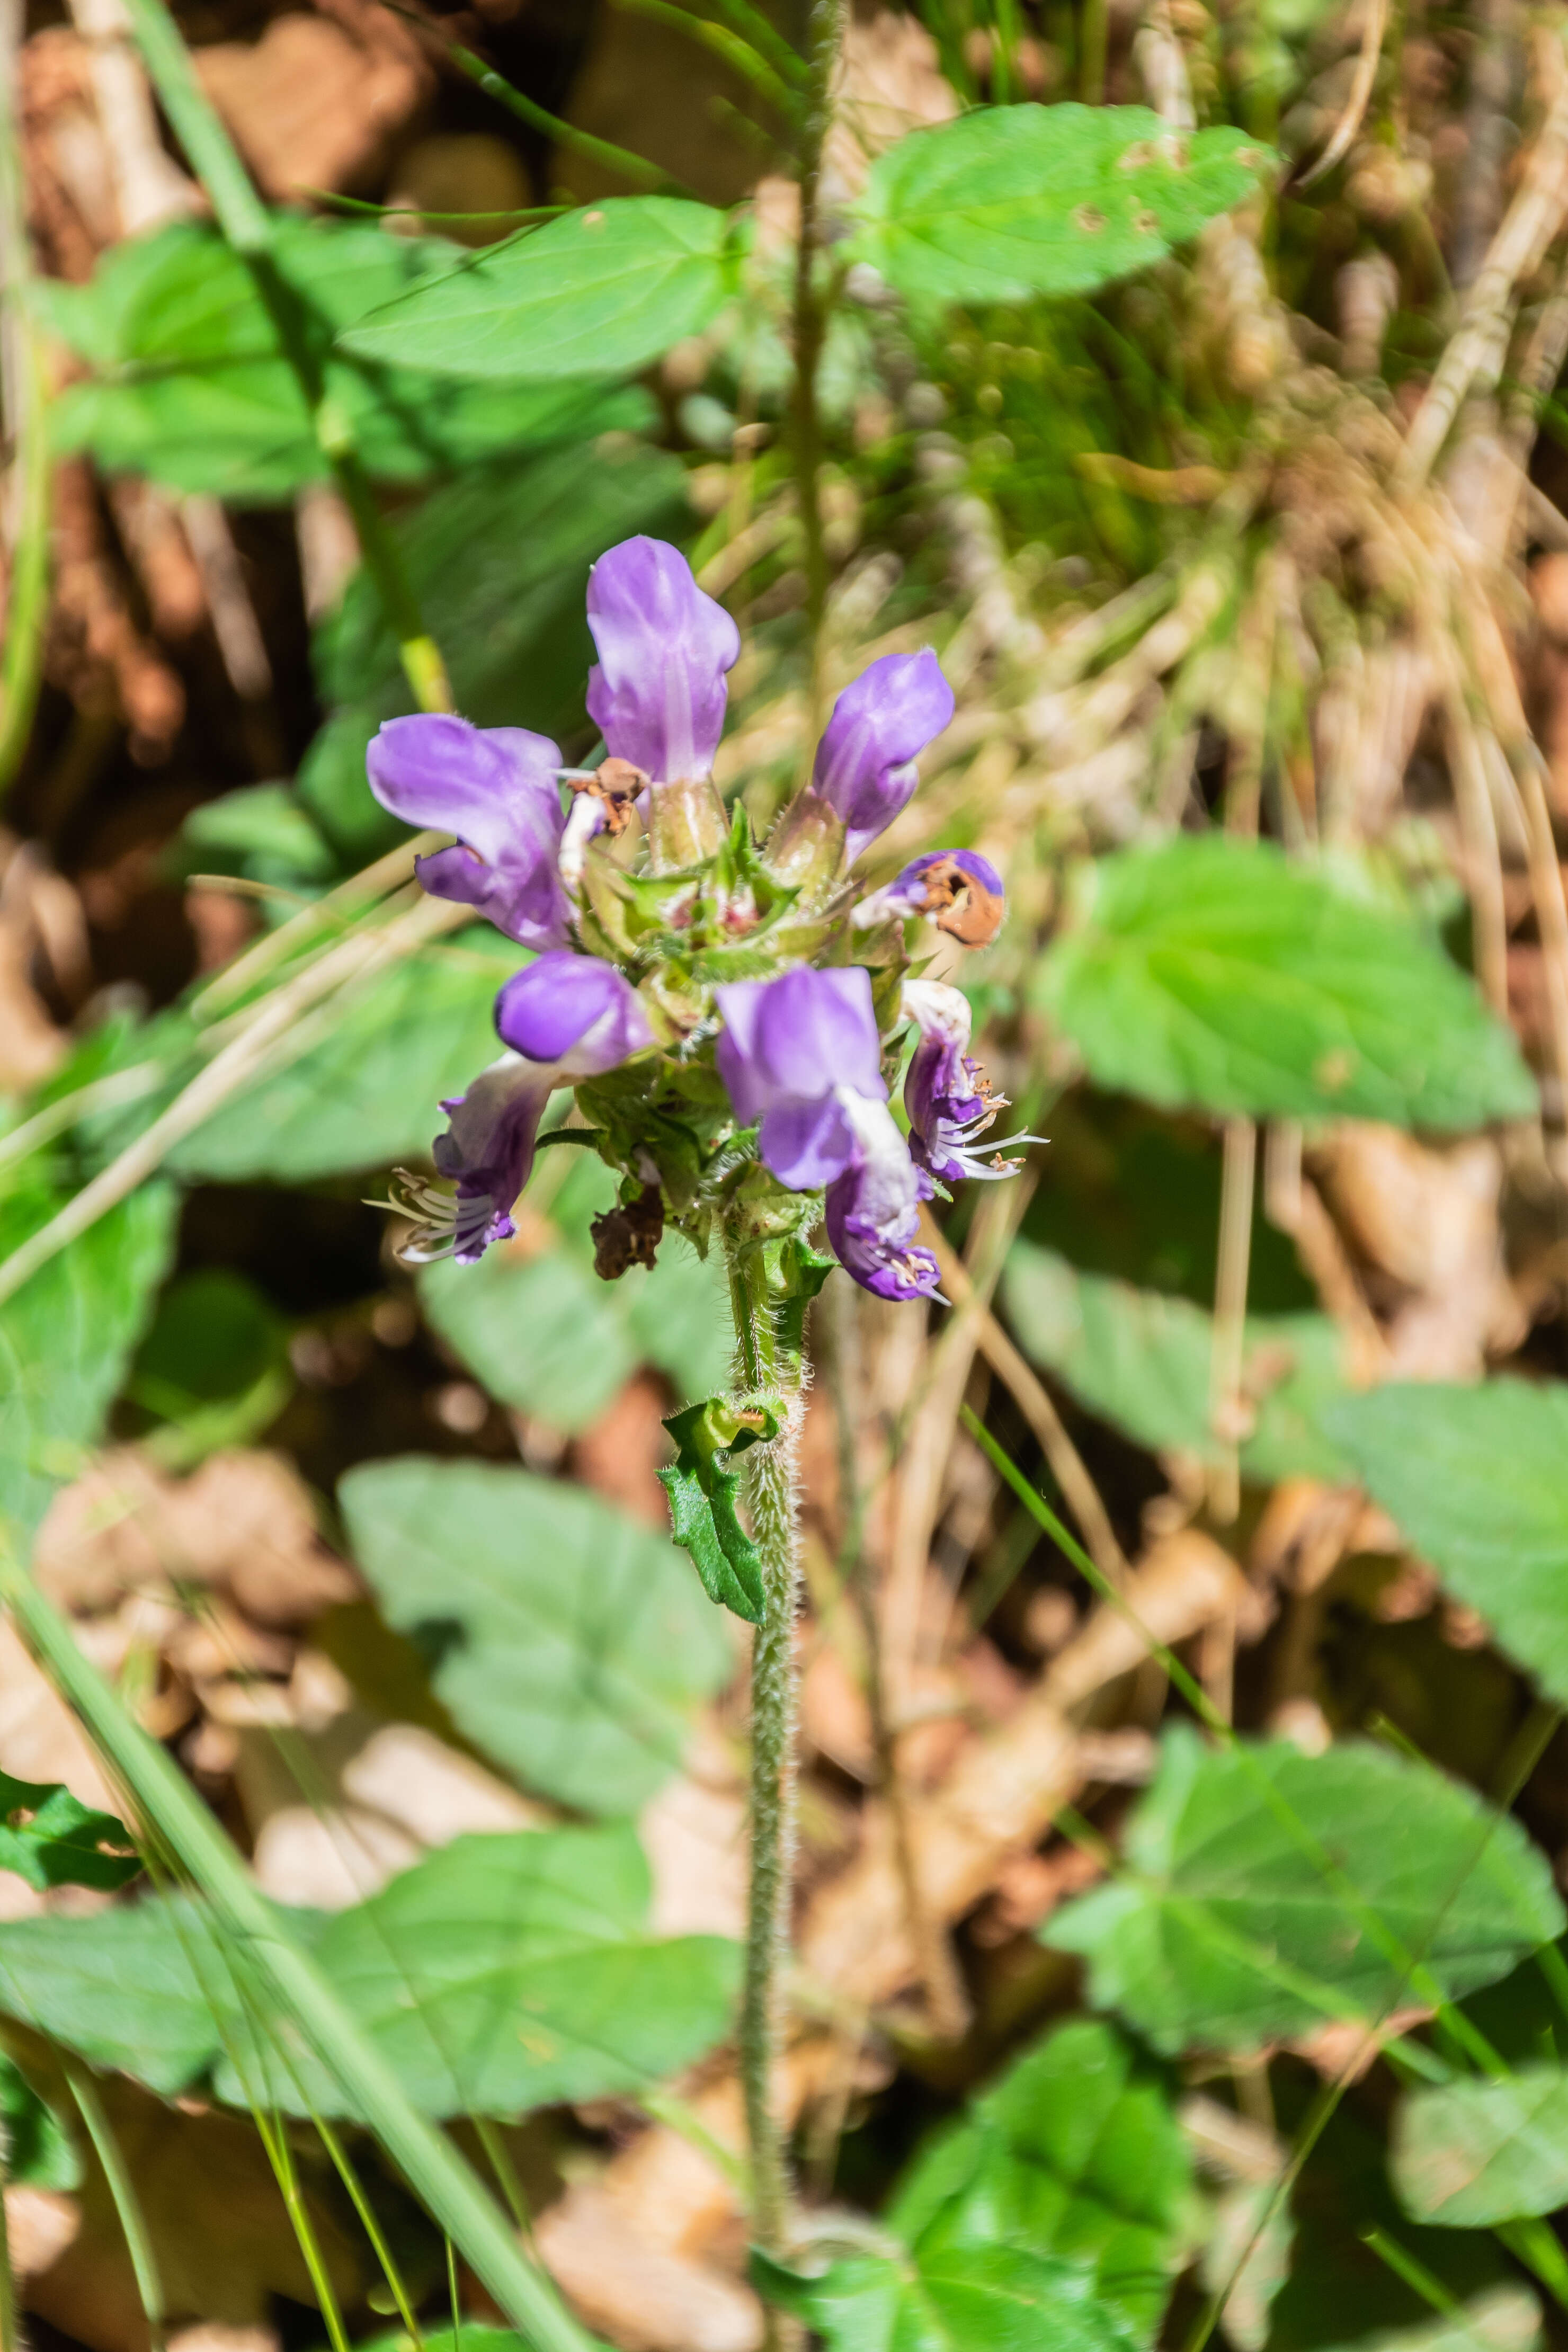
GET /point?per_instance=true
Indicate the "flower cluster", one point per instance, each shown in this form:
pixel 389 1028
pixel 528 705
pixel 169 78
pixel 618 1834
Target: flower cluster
pixel 724 1013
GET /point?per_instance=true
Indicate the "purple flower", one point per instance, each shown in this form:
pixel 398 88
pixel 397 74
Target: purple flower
pixel 574 1011
pixel 658 692
pixel 957 889
pixel 865 763
pixel 566 1016
pixel 495 787
pixel 873 1217
pixel 487 1154
pixel 796 1054
pixel 947 1096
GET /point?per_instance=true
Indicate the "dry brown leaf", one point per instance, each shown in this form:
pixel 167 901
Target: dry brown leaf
pixel 619 1457
pixel 310 105
pixel 40 2224
pixel 694 1835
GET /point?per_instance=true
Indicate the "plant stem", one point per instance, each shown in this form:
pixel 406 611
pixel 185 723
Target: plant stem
pixel 248 227
pixel 26 398
pixel 122 2193
pixel 771 1495
pixel 810 323
pixel 173 1811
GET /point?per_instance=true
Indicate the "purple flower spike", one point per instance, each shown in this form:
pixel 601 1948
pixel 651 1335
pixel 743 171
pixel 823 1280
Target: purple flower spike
pixel 573 1010
pixel 799 1053
pixel 865 763
pixel 957 889
pixel 658 692
pixel 486 1153
pixel 495 787
pixel 947 1095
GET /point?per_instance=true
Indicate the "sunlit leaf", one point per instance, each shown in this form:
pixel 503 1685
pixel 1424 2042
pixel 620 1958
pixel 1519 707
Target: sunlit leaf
pixel 189 383
pixel 1217 975
pixel 1074 2153
pixel 65 1340
pixel 49 1838
pixel 1010 201
pixel 1142 1361
pixel 1499 2319
pixel 571 1641
pixel 969 2296
pixel 501 1973
pixel 1474 1478
pixel 1226 1931
pixel 600 292
pixel 1466 2154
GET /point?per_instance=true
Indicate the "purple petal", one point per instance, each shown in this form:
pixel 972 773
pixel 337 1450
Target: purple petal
pixel 488 1149
pixel 658 692
pixel 798 1037
pixel 865 760
pixel 527 903
pixel 806 1143
pixel 872 1225
pixel 438 771
pixel 575 1010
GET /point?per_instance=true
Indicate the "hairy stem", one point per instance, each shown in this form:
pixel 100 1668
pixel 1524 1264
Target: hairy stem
pixel 810 327
pixel 771 1485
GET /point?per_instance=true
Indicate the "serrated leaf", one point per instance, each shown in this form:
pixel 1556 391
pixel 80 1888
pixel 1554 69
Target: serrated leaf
pixel 1075 2153
pixel 191 387
pixel 1224 1933
pixel 702 1521
pixel 1010 201
pixel 65 1340
pixel 1474 1478
pixel 573 1642
pixel 1466 2154
pixel 367 1090
pixel 1217 974
pixel 49 1838
pixel 502 1973
pixel 602 292
pixel 1142 1361
pixel 965 2297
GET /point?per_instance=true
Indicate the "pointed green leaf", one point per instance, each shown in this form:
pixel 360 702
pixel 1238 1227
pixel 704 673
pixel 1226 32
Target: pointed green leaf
pixel 1217 975
pixel 600 292
pixel 51 1838
pixel 1224 1933
pixel 1010 201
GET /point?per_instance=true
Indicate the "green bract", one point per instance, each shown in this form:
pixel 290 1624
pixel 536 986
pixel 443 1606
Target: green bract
pixel 1018 200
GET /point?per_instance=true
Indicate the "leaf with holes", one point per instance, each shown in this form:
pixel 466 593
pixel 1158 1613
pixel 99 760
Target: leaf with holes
pixel 1214 974
pixel 570 1642
pixel 1475 1478
pixel 1011 201
pixel 603 291
pixel 1229 1932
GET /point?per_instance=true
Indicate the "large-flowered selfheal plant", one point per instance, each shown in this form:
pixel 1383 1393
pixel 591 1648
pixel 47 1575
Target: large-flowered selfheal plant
pixel 730 1017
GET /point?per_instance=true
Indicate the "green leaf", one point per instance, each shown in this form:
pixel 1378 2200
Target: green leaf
pixel 51 1838
pixel 964 2297
pixel 367 1091
pixel 38 2150
pixel 502 1973
pixel 702 1491
pixel 1224 1933
pixel 1471 2153
pixel 190 384
pixel 1217 974
pixel 580 1643
pixel 510 1972
pixel 65 1340
pixel 1499 2319
pixel 260 831
pixel 1074 2153
pixel 214 1368
pixel 1475 1478
pixel 1140 1360
pixel 1017 200
pixel 602 292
